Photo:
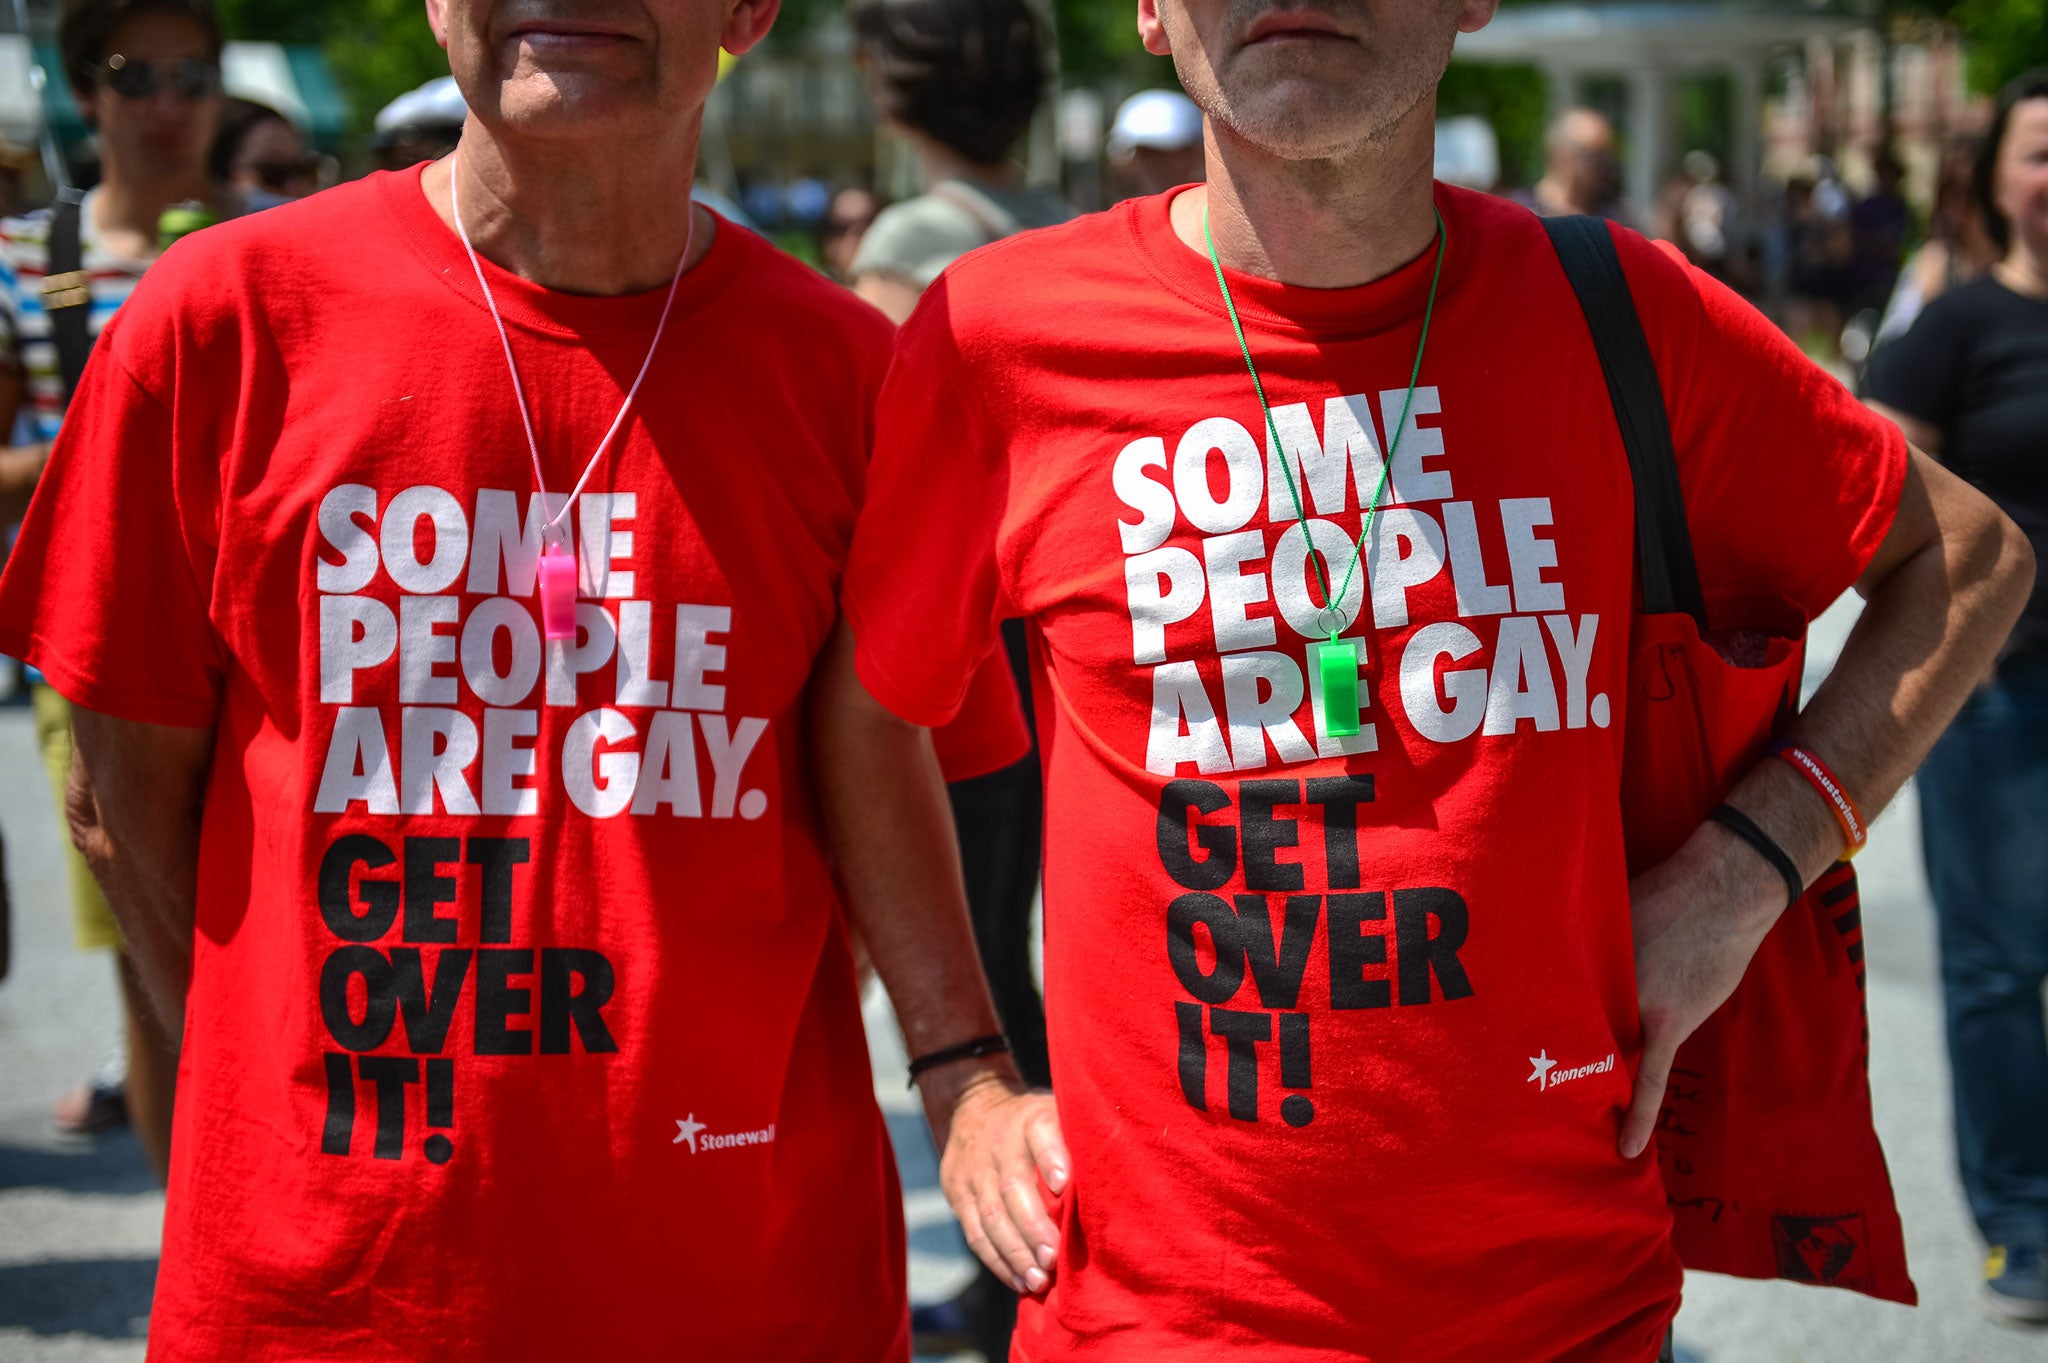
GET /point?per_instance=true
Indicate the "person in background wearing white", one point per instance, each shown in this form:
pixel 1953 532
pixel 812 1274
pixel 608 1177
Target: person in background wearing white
pixel 1156 143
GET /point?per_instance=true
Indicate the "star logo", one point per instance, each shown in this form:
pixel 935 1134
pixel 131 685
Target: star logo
pixel 686 1130
pixel 1539 1076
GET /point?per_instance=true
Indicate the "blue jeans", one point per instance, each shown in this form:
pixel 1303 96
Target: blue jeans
pixel 1984 817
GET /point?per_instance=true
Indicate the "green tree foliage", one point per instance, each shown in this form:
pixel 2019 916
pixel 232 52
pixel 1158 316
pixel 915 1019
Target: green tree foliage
pixel 1099 38
pixel 1514 99
pixel 379 48
pixel 2004 37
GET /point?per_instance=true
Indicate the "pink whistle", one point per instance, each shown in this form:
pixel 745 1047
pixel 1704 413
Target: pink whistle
pixel 558 592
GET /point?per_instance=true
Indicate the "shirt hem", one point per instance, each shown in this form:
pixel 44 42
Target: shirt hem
pixel 983 759
pixel 899 700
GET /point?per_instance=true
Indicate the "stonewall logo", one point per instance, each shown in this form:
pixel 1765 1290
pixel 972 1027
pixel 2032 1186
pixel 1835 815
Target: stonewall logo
pixel 1544 1073
pixel 702 1139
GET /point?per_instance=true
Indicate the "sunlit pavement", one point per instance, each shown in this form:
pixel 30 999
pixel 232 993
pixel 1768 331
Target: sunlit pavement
pixel 78 1226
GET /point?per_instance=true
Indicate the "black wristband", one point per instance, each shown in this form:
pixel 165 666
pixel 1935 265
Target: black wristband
pixel 993 1044
pixel 1744 827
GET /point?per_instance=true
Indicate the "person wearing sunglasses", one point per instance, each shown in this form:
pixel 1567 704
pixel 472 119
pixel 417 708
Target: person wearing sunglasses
pixel 146 76
pixel 852 212
pixel 259 155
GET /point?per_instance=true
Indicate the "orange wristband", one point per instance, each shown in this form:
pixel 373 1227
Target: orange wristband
pixel 1854 831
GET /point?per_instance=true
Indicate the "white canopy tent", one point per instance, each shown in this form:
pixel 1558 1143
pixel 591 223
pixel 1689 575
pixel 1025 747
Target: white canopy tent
pixel 21 101
pixel 1651 47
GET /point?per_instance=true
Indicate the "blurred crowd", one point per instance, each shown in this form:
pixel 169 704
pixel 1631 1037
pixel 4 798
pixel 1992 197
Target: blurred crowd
pixel 1840 269
pixel 1850 273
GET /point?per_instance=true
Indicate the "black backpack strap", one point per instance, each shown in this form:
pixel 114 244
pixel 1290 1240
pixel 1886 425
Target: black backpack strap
pixel 1671 577
pixel 67 291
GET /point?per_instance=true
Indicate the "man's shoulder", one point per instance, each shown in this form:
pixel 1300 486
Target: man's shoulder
pixel 1079 238
pixel 207 289
pixel 799 302
pixel 1040 280
pixel 303 229
pixel 1516 228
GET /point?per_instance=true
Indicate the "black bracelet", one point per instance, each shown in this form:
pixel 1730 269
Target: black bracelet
pixel 1744 827
pixel 993 1044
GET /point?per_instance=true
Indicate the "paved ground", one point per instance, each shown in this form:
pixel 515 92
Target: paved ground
pixel 78 1226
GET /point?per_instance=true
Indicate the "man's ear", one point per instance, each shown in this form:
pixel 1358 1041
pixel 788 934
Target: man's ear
pixel 437 20
pixel 1152 29
pixel 88 102
pixel 748 23
pixel 1474 15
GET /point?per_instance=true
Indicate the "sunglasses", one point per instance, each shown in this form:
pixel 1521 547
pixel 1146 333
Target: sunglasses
pixel 189 78
pixel 282 175
pixel 848 227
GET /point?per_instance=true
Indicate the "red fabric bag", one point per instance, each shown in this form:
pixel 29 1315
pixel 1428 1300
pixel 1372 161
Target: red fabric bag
pixel 1770 1160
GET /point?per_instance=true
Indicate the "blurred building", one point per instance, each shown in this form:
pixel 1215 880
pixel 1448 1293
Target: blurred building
pixel 795 110
pixel 1773 83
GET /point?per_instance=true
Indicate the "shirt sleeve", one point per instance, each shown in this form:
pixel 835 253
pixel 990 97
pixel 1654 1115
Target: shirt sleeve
pixel 104 591
pixel 1790 483
pixel 989 732
pixel 1920 373
pixel 922 589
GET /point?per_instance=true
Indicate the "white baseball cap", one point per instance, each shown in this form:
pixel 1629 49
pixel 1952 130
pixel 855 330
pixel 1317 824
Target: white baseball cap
pixel 1163 120
pixel 436 103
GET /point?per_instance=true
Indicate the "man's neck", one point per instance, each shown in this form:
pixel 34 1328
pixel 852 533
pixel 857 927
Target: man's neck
pixel 1321 224
pixel 570 219
pixel 126 209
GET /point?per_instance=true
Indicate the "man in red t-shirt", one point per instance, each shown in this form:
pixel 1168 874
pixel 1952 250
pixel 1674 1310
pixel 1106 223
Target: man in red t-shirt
pixel 1358 1037
pixel 518 1012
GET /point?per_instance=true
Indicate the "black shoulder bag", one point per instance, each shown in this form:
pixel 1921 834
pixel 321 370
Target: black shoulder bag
pixel 67 291
pixel 1770 1162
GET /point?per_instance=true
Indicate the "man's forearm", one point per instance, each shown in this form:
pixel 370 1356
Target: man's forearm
pixel 1937 614
pixel 1944 590
pixel 20 467
pixel 892 829
pixel 134 806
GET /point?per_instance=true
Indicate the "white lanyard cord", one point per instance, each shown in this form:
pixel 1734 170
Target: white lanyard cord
pixel 519 389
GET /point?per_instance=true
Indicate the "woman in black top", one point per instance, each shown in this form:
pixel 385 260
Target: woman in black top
pixel 1969 383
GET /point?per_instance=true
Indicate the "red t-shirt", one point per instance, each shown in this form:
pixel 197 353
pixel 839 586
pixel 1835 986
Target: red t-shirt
pixel 1341 1028
pixel 522 1020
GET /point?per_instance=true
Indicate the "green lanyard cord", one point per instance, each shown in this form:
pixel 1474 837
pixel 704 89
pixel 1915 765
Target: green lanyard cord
pixel 1315 559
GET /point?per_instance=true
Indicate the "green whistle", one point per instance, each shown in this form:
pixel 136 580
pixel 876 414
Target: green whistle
pixel 1337 661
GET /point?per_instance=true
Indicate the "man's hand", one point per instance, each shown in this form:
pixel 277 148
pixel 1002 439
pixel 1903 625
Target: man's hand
pixel 885 804
pixel 20 467
pixel 1699 918
pixel 998 1140
pixel 1942 590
